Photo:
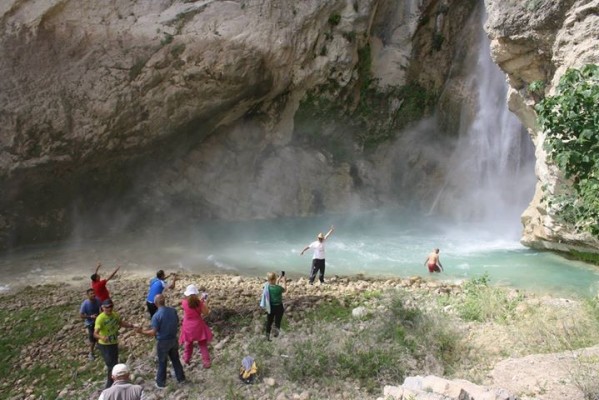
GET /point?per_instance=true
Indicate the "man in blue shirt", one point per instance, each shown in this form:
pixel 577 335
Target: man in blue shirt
pixel 157 286
pixel 165 327
pixel 89 310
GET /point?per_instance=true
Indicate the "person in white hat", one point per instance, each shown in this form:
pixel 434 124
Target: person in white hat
pixel 194 328
pixel 122 388
pixel 318 262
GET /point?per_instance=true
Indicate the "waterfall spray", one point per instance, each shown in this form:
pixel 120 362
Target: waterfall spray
pixel 490 178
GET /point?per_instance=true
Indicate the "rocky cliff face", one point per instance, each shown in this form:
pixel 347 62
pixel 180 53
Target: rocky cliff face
pixel 118 114
pixel 539 40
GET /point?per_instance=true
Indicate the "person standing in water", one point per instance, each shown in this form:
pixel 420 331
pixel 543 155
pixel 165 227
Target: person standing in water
pixel 318 263
pixel 99 285
pixel 433 263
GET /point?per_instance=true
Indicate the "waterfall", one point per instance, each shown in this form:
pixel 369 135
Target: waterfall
pixel 490 175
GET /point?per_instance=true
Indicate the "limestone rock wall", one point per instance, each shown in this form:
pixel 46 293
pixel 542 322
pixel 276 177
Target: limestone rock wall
pixel 119 114
pixel 539 40
pixel 113 111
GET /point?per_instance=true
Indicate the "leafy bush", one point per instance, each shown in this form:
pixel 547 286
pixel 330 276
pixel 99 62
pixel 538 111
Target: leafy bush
pixel 482 302
pixel 570 121
pixel 334 19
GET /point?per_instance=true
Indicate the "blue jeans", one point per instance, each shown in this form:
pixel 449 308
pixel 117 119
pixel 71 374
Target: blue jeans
pixel 168 349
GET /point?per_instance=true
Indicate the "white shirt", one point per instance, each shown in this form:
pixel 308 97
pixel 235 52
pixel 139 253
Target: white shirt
pixel 318 248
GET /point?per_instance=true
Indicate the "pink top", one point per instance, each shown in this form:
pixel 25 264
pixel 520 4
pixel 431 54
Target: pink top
pixel 194 328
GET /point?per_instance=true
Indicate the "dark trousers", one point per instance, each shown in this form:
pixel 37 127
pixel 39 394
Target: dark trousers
pixel 276 315
pixel 317 266
pixel 168 349
pixel 151 308
pixel 110 354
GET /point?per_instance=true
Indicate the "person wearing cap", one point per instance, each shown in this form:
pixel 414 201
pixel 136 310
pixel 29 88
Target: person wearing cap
pixel 318 262
pixel 122 388
pixel 106 330
pixel 165 326
pixel 99 285
pixel 157 286
pixel 89 310
pixel 194 329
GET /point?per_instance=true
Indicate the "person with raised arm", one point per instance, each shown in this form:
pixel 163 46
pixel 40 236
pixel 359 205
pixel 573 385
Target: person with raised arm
pixel 318 260
pixel 157 286
pixel 99 285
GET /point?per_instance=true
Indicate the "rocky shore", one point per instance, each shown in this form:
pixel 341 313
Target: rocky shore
pixel 54 364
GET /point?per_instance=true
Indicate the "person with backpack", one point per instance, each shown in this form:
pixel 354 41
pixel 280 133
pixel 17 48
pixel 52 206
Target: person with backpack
pixel 194 329
pixel 272 302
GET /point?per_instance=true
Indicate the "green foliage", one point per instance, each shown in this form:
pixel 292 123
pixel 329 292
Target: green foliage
pixel 21 328
pixel 328 312
pixel 533 5
pixel 423 334
pixel 167 39
pixel 178 49
pixel 311 359
pixel 591 258
pixel 570 120
pixel 334 19
pixel 537 89
pixel 482 302
pixel 350 36
pixel 136 69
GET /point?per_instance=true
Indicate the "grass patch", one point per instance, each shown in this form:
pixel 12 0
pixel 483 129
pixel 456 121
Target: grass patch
pixel 482 302
pixel 329 312
pixel 21 328
pixel 591 258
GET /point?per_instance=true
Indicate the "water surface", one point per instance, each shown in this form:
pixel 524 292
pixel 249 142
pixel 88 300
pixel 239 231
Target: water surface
pixel 378 244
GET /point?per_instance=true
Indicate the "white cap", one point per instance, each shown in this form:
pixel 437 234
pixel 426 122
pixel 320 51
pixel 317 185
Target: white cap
pixel 120 370
pixel 191 289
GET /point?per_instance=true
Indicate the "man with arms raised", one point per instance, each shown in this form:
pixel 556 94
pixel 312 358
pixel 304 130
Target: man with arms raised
pixel 157 286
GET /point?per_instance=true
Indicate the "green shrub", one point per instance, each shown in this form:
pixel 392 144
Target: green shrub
pixel 569 120
pixel 482 302
pixel 334 19
pixel 331 311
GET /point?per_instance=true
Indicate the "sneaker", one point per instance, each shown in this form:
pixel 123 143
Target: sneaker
pixel 276 333
pixel 206 365
pixel 157 386
pixel 91 357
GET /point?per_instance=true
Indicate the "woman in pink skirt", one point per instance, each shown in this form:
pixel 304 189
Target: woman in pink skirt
pixel 194 329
